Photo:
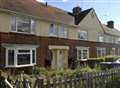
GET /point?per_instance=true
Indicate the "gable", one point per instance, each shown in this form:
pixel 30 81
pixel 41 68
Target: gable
pixel 91 23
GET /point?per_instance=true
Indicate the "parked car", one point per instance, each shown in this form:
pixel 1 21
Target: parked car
pixel 109 65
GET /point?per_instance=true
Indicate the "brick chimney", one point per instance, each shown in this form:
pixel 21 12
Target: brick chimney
pixel 110 24
pixel 76 10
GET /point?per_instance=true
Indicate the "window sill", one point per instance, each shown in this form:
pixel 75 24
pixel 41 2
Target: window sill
pixel 22 33
pixel 19 66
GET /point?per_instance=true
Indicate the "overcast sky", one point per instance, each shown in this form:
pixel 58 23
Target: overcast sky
pixel 105 9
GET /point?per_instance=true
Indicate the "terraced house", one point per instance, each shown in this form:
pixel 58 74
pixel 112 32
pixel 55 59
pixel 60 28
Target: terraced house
pixel 32 33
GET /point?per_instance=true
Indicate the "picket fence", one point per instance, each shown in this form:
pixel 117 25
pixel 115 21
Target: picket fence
pixel 83 80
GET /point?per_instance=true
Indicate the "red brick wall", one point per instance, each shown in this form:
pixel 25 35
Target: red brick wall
pixel 44 42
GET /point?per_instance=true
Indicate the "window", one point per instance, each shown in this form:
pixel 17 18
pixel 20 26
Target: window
pixel 23 25
pixel 19 57
pixel 101 52
pixel 11 57
pixel 63 32
pixel 118 51
pixel 100 38
pixel 112 51
pixel 53 30
pixel 118 40
pixel 82 53
pixel 82 35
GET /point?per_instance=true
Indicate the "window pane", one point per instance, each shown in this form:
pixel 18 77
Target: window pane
pixel 33 26
pixel 80 54
pixel 23 25
pixel 13 24
pixel 63 32
pixel 10 57
pixel 33 56
pixel 23 59
pixel 82 35
pixel 53 30
pixel 23 51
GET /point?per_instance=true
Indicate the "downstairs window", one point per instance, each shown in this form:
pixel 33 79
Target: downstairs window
pixel 20 57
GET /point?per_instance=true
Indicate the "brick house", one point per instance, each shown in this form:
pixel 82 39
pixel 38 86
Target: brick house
pixel 32 33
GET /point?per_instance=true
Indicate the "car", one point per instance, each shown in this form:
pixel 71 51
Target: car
pixel 114 64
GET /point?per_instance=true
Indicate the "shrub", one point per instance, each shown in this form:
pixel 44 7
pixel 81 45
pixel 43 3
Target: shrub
pixel 114 83
pixel 40 71
pixel 111 58
pixel 93 62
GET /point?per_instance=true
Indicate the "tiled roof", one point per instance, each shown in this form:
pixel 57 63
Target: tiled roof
pixel 34 8
pixel 111 31
pixel 83 14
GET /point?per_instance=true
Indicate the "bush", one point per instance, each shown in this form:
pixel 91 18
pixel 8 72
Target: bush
pixel 93 62
pixel 114 83
pixel 111 58
pixel 40 71
pixel 85 69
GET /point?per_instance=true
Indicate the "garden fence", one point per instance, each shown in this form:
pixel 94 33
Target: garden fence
pixel 83 80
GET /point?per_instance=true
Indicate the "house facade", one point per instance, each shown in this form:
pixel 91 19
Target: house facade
pixel 32 33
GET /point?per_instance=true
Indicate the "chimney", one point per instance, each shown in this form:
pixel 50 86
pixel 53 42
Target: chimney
pixel 46 3
pixel 76 10
pixel 110 24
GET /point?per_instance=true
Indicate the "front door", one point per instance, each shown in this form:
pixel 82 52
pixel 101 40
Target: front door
pixel 59 59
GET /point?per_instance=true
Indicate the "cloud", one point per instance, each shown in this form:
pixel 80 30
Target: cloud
pixel 40 0
pixel 64 0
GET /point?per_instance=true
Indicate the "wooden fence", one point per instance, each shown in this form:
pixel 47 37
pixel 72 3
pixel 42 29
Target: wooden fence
pixel 83 80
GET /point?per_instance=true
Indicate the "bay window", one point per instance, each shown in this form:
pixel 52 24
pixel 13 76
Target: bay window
pixel 23 25
pixel 20 55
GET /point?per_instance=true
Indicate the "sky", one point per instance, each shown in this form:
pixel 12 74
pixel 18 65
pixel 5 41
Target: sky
pixel 106 10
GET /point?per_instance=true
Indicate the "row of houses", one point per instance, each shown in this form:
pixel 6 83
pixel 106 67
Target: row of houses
pixel 33 33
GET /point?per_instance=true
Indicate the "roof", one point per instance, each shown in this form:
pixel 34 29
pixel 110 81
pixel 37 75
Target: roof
pixel 37 9
pixel 83 14
pixel 111 31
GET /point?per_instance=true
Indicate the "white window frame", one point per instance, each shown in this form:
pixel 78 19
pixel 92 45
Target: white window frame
pixel 63 32
pixel 17 47
pixel 79 34
pixel 16 59
pixel 54 29
pixel 102 51
pixel 112 51
pixel 100 38
pixel 118 51
pixel 82 49
pixel 32 29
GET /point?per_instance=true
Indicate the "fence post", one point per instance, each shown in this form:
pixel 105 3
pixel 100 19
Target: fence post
pixel 60 83
pixel 48 84
pixel 54 83
pixel 39 83
pixel 66 81
pixel 26 83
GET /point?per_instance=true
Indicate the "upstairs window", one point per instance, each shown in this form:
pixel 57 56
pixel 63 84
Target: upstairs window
pixel 63 32
pixel 53 30
pixel 100 37
pixel 82 35
pixel 23 25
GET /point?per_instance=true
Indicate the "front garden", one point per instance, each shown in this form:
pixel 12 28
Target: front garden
pixel 82 74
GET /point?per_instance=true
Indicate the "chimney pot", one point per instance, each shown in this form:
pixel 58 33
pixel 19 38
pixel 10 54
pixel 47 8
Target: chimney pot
pixel 76 10
pixel 110 24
